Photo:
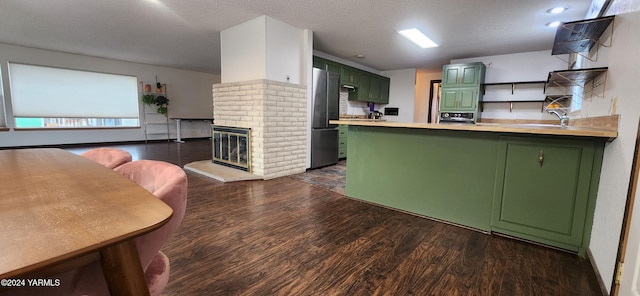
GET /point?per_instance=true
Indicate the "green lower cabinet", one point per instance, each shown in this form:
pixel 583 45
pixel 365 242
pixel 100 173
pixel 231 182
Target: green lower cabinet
pixel 544 190
pixel 342 141
pixel 537 188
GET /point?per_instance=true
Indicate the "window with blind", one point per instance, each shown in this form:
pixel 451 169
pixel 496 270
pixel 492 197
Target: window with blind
pixel 47 97
pixel 3 124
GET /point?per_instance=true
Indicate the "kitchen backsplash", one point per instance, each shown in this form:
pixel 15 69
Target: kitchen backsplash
pixel 352 107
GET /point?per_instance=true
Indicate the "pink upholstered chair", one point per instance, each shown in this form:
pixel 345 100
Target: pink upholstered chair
pixel 109 157
pixel 168 182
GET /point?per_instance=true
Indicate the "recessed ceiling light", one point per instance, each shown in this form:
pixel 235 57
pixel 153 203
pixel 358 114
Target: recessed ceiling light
pixel 553 24
pixel 417 37
pixel 557 10
pixel 359 56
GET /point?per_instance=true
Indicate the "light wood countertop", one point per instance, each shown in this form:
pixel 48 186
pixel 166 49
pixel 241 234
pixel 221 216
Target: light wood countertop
pixel 56 207
pixel 534 129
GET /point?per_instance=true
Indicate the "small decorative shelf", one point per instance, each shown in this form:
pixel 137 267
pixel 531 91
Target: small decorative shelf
pixel 580 36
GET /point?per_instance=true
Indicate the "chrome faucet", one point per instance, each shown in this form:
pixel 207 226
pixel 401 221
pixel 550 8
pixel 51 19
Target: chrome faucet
pixel 564 119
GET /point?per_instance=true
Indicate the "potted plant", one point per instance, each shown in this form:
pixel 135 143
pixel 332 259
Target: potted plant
pixel 148 100
pixel 162 102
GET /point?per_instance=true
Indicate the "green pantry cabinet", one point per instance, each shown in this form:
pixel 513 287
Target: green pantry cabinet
pixel 459 99
pixel 370 87
pixel 461 85
pixel 489 181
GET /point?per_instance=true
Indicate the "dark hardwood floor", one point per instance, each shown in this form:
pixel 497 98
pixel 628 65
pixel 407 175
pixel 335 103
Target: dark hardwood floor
pixel 288 237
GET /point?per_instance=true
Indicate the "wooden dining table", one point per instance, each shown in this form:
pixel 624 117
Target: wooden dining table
pixel 57 208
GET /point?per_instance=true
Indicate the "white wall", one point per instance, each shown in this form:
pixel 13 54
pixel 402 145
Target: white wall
pixel 263 48
pixel 526 66
pixel 402 93
pixel 243 51
pixel 622 83
pixel 284 51
pixel 189 93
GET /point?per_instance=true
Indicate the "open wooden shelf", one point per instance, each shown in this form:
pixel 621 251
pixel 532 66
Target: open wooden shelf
pixel 579 77
pixel 513 84
pixel 580 36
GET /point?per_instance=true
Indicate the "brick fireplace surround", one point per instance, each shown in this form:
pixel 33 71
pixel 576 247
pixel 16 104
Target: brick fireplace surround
pixel 276 112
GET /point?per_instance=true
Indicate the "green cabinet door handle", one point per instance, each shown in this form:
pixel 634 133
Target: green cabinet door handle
pixel 541 158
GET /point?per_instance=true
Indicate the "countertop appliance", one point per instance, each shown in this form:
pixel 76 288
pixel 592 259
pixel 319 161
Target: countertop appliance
pixel 326 106
pixel 461 117
pixel 375 115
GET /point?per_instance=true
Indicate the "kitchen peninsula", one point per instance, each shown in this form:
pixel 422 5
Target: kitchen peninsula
pixel 534 182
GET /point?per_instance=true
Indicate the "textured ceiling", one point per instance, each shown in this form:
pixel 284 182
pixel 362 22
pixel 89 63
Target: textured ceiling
pixel 186 33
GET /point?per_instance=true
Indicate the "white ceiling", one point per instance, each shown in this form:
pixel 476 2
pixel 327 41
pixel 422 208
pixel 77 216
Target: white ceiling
pixel 186 33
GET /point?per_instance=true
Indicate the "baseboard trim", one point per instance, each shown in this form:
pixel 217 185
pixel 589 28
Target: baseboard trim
pixel 603 287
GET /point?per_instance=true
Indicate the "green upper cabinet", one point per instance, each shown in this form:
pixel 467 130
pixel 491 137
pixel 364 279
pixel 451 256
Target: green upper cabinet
pixel 324 64
pixel 350 76
pixel 369 87
pixel 333 67
pixel 362 92
pixel 463 75
pixel 543 190
pixel 319 63
pixel 384 89
pixel 372 88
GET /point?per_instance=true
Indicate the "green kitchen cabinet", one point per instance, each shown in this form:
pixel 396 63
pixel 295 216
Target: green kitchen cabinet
pixel 319 63
pixel 461 88
pixel 325 64
pixel 342 141
pixel 463 75
pixel 459 99
pixel 333 67
pixel 372 88
pixel 385 82
pixel 362 92
pixel 369 87
pixel 544 190
pixel 349 76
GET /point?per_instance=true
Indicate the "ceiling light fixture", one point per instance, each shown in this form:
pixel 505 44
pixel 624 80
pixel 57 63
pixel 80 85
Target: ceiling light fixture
pixel 417 37
pixel 553 24
pixel 557 10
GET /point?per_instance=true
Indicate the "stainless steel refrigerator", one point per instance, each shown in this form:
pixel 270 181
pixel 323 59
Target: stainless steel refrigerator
pixel 326 106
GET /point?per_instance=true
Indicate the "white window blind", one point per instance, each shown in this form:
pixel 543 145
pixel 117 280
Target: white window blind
pixel 41 92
